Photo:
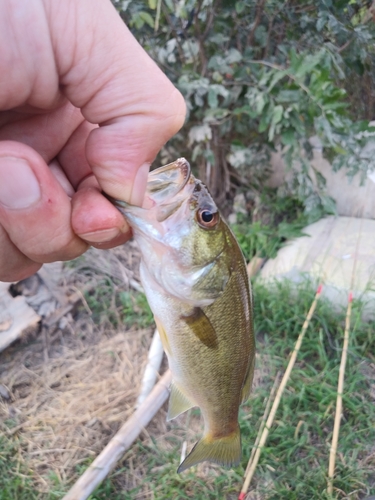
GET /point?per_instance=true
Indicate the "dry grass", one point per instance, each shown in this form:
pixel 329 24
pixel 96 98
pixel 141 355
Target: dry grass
pixel 72 387
pixel 67 408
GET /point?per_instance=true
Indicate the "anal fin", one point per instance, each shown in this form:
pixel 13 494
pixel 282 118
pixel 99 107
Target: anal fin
pixel 178 402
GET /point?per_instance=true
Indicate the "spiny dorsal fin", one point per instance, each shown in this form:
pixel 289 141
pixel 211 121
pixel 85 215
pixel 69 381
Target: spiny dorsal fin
pixel 178 402
pixel 201 326
pixel 223 451
pixel 246 388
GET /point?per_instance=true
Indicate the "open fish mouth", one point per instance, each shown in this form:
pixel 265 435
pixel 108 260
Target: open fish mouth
pixel 162 185
pixel 165 182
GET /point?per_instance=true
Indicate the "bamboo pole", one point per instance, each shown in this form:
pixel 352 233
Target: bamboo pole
pixel 120 442
pixel 340 390
pixel 264 419
pixel 278 396
pixel 340 385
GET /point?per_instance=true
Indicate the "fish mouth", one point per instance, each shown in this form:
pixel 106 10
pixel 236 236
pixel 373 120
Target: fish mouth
pixel 166 182
pixel 162 185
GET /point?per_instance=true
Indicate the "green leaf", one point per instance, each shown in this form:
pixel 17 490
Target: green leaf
pixel 233 56
pixel 289 96
pixel 264 123
pixel 276 118
pixel 261 35
pixel 288 137
pixel 152 4
pixel 329 205
pixel 321 22
pixel 240 7
pixel 276 78
pixel 212 99
pixel 242 110
pixel 277 114
pixel 147 18
pixel 261 101
pixel 307 64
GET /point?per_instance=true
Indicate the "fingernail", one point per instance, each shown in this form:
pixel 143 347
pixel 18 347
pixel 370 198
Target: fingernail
pixel 19 187
pixel 139 186
pixel 100 236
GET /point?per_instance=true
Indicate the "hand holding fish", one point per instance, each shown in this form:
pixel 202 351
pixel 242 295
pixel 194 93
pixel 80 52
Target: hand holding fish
pixel 196 283
pixel 66 68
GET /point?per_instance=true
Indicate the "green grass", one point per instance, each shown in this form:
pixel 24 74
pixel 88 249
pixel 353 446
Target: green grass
pixel 129 308
pixel 275 220
pixel 135 309
pixel 16 481
pixel 300 461
pixel 294 463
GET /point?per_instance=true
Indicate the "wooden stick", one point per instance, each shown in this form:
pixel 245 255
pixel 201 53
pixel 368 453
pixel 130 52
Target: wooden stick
pixel 120 442
pixel 340 390
pixel 279 393
pixel 263 421
pixel 155 357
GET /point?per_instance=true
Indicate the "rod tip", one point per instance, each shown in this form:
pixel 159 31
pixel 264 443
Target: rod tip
pixel 350 297
pixel 320 288
pixel 241 496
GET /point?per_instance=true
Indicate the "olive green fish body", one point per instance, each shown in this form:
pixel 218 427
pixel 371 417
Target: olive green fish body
pixel 196 283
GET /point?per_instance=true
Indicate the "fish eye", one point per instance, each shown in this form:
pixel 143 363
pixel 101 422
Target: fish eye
pixel 207 219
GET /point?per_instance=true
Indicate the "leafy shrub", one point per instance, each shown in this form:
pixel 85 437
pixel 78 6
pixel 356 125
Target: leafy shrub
pixel 262 75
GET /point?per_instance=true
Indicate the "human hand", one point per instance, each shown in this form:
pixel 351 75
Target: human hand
pixel 67 67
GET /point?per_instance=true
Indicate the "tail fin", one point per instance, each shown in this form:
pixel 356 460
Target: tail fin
pixel 223 451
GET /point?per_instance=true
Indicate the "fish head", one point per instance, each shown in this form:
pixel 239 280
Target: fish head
pixel 181 234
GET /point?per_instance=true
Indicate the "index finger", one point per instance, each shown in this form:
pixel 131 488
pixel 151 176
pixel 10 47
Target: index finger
pixel 107 74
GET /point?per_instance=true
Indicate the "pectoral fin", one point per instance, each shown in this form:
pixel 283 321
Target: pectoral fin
pixel 201 326
pixel 178 402
pixel 246 388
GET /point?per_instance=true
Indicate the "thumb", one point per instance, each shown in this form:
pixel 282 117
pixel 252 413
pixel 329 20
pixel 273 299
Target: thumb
pixel 35 211
pixel 111 78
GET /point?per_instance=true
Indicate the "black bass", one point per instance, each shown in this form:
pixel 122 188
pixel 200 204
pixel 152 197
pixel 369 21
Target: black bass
pixel 195 280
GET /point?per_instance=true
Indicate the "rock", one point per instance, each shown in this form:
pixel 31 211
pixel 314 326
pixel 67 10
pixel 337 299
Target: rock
pixel 333 248
pixel 16 316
